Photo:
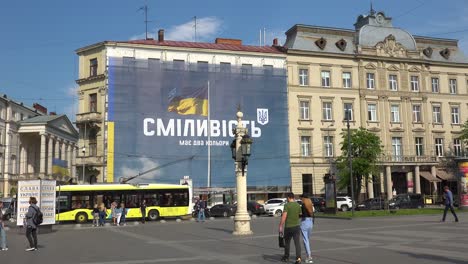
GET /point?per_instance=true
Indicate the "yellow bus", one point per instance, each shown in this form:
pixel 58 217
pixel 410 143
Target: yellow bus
pixel 76 202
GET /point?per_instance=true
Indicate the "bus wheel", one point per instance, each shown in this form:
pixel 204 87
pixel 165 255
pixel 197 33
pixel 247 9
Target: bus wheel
pixel 81 218
pixel 153 215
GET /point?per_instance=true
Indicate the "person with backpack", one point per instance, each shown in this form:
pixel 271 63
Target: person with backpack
pixel 32 220
pixel 3 241
pixel 96 215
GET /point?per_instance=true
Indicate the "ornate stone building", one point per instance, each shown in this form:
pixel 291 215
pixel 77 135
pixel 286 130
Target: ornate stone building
pixel 409 90
pixel 34 145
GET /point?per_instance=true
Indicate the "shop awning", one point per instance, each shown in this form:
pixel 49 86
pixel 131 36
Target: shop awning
pixel 446 176
pixel 428 176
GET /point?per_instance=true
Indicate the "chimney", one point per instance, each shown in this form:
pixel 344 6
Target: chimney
pixel 275 42
pixel 40 108
pixel 161 35
pixel 236 42
pixel 52 113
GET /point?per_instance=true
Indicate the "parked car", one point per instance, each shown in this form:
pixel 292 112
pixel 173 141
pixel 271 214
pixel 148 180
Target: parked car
pixel 8 209
pixel 344 203
pixel 406 200
pixel 255 208
pixel 319 203
pixel 276 210
pixel 371 204
pixel 224 210
pixel 273 203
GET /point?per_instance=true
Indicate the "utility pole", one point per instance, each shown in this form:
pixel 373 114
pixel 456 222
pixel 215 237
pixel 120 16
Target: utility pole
pixel 195 26
pixel 145 9
pixel 348 116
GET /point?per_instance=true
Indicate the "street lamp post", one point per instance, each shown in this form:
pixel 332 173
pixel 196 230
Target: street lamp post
pixel 240 149
pixel 83 150
pixel 351 178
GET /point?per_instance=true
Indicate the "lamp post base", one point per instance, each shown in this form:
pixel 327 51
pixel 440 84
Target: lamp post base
pixel 242 225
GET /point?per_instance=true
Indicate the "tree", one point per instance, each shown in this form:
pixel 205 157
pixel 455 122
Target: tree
pixel 366 149
pixel 464 133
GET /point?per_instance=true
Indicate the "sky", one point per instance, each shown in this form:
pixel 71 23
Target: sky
pixel 38 39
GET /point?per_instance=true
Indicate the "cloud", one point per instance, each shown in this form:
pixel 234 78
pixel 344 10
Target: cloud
pixel 140 165
pixel 207 29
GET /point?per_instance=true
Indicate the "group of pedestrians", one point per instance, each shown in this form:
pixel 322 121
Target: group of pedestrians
pixel 118 213
pixel 200 207
pixel 297 219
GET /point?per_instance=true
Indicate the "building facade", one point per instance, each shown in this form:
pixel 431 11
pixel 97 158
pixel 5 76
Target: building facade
pixel 34 145
pixel 411 91
pixel 103 65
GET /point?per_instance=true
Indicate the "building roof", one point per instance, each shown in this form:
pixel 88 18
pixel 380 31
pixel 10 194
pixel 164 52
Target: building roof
pixel 40 119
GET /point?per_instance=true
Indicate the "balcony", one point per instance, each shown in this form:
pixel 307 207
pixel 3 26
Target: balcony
pixel 401 159
pixel 89 117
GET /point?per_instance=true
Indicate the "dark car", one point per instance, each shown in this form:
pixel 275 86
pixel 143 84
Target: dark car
pixel 371 204
pixel 8 209
pixel 406 200
pixel 255 208
pixel 319 203
pixel 222 210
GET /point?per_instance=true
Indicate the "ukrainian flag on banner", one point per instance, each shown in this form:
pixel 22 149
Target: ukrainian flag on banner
pixel 59 167
pixel 193 102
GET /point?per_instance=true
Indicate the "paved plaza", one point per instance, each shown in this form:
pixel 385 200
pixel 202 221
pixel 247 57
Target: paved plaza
pixel 400 239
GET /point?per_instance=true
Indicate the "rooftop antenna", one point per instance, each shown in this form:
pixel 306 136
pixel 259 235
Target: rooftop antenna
pixel 195 26
pixel 145 9
pixel 372 11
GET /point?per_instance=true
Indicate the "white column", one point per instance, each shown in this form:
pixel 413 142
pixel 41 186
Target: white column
pixel 57 148
pixel 434 174
pixel 50 156
pixel 69 158
pixel 73 161
pixel 25 160
pixel 370 187
pixel 382 182
pixel 388 181
pixel 42 152
pixel 63 155
pixel 409 182
pixel 417 179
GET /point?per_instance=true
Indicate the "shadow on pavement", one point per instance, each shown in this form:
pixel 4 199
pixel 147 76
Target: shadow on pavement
pixel 273 258
pixel 228 231
pixel 432 257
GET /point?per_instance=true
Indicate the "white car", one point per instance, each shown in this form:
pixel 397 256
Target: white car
pixel 276 210
pixel 273 202
pixel 344 203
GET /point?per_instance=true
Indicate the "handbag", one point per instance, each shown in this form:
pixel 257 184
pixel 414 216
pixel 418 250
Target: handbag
pixel 281 240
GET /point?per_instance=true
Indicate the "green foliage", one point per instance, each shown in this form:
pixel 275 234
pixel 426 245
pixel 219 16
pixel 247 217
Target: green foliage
pixel 464 133
pixel 366 150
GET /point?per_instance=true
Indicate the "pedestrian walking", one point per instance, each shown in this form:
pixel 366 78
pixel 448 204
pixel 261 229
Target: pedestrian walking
pixel 448 200
pixel 123 219
pixel 96 215
pixel 29 223
pixel 201 211
pixel 307 224
pixel 3 239
pixel 118 214
pixel 113 214
pixel 102 214
pixel 143 211
pixel 290 228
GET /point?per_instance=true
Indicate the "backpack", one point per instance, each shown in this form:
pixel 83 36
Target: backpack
pixel 38 217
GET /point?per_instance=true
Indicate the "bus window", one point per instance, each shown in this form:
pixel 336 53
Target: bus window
pixel 166 199
pixel 63 203
pixel 80 201
pixel 131 200
pixel 180 198
pixel 152 199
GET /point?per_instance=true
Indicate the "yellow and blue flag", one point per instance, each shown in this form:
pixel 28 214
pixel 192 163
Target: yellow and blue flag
pixel 59 167
pixel 194 102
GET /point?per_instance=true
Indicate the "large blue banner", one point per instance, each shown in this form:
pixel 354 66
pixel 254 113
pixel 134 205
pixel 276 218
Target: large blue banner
pixel 174 119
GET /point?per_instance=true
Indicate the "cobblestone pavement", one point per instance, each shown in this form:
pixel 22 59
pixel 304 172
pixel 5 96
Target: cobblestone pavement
pixel 401 239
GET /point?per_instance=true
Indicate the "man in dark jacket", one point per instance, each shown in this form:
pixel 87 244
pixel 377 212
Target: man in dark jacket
pixel 448 200
pixel 31 227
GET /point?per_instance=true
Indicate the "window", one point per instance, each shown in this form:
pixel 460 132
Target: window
pixel 93 64
pixel 305 146
pixel 436 115
pixel 246 71
pixel 414 83
pixel 417 114
pixel 453 86
pixel 370 80
pixel 268 70
pixel 153 63
pixel 419 146
pixel 325 78
pixel 435 84
pixel 396 148
pixel 348 111
pixel 303 77
pixel 304 110
pixel 346 79
pixel 93 103
pixel 179 64
pixel 395 113
pixel 328 146
pixel 372 112
pixel 455 115
pixel 457 147
pixel 225 67
pixel 327 111
pixel 439 147
pixel 307 183
pixel 202 66
pixel 393 82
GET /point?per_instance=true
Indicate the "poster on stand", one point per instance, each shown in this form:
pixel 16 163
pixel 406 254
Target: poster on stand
pixel 44 192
